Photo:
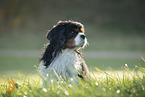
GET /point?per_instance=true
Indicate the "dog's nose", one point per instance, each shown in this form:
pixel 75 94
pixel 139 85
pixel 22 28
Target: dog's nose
pixel 83 36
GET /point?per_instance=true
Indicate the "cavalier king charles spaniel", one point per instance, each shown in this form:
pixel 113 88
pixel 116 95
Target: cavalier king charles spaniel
pixel 62 57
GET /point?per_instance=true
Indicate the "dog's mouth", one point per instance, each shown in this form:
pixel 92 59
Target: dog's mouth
pixel 84 43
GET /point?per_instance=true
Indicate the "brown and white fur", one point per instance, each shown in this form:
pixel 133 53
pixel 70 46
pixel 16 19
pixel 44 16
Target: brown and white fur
pixel 62 55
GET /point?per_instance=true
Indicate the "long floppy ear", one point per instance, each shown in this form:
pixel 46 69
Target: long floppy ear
pixel 55 32
pixel 56 37
pixel 57 43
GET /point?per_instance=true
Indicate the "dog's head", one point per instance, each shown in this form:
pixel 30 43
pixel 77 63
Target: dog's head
pixel 67 34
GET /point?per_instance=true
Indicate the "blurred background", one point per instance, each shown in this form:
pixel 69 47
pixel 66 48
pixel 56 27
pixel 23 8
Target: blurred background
pixel 115 30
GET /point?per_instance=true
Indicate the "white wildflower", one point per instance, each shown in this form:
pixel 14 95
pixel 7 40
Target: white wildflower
pixel 70 85
pixel 118 91
pixel 44 90
pixel 25 93
pixel 71 79
pixel 66 93
pixel 52 81
pixel 96 83
pixel 126 65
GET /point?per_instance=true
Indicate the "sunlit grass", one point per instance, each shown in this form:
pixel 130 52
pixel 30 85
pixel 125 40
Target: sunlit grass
pixel 128 82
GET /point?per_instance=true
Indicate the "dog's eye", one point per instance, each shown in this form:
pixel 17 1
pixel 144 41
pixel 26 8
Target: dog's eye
pixel 73 32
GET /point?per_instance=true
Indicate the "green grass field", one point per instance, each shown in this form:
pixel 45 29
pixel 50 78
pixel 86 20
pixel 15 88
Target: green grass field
pixel 11 65
pixel 131 83
pixel 112 78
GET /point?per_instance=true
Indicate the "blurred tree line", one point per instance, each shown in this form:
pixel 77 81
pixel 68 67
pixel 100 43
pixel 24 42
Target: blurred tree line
pixel 31 16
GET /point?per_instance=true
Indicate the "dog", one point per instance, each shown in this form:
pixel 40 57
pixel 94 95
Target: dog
pixel 62 56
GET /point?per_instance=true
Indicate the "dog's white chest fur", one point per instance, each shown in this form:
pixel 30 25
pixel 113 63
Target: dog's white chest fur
pixel 66 64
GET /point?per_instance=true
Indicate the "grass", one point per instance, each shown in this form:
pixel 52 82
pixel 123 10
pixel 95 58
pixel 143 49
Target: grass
pixel 131 83
pixel 112 63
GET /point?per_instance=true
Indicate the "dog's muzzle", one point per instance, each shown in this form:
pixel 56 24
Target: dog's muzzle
pixel 80 40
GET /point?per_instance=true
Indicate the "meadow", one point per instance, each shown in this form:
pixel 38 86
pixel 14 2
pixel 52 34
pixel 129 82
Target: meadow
pixel 100 84
pixel 116 67
pixel 110 76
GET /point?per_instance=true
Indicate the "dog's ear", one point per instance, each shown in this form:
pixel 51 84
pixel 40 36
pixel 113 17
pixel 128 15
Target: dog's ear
pixel 55 32
pixel 57 37
pixel 57 43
